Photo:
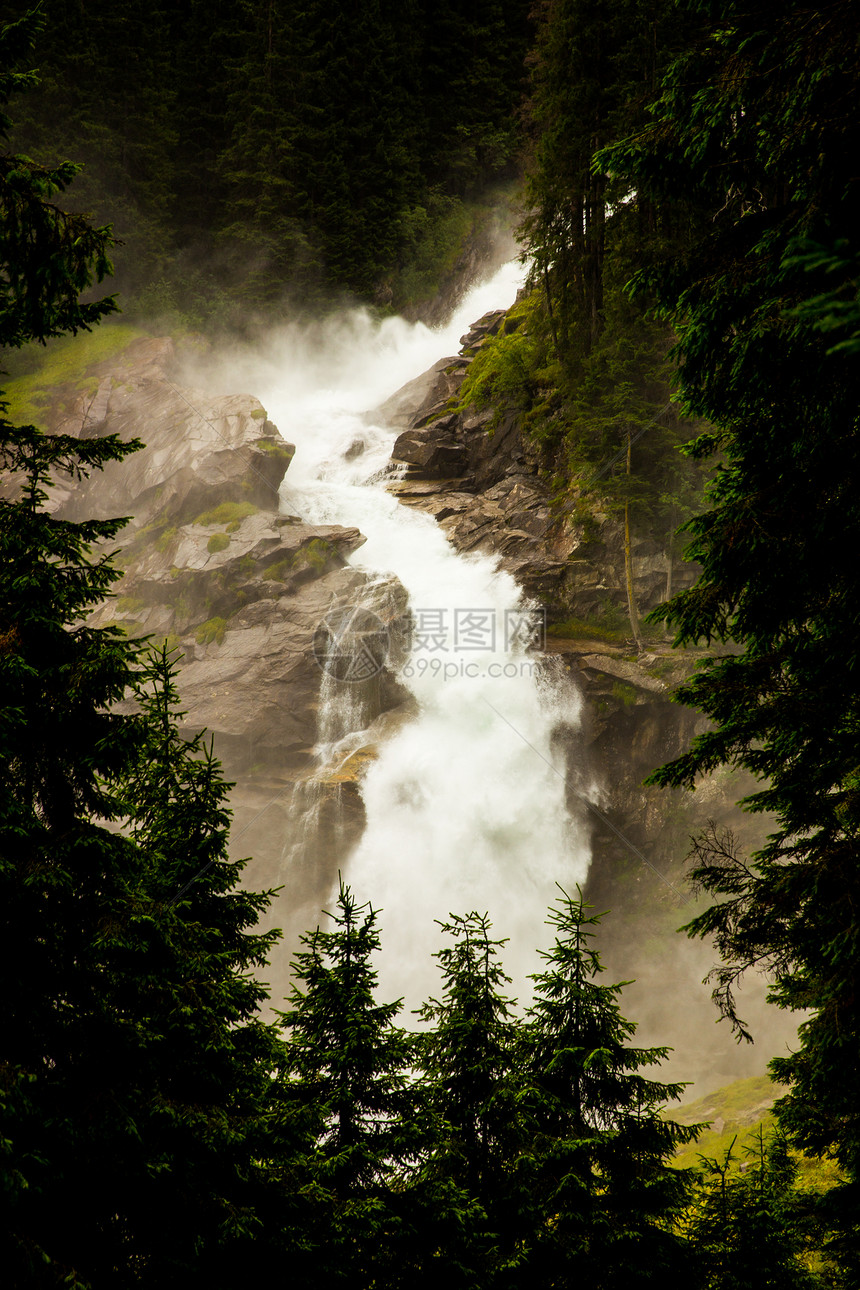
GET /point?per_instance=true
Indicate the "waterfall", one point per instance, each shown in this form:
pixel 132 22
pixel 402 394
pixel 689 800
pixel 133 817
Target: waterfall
pixel 466 801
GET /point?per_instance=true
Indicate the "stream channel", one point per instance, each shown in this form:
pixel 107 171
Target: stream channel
pixel 466 801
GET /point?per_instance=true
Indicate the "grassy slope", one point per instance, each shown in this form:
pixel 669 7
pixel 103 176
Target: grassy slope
pixel 36 372
pixel 736 1113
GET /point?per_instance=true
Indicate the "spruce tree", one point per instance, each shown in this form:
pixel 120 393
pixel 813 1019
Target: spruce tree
pixel 603 1193
pixel 107 95
pixel 750 1225
pixel 470 1095
pixel 204 1063
pixel 135 1067
pixel 345 1072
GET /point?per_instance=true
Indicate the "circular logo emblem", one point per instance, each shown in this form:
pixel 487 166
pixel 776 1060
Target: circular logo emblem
pixel 351 644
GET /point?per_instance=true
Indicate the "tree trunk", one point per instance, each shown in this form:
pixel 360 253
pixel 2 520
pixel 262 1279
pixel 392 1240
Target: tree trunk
pixel 549 310
pixel 670 561
pixel 628 562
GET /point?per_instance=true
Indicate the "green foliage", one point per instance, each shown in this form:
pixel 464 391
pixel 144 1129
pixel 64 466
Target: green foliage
pixel 227 513
pixel 762 359
pixel 602 1182
pixel 211 631
pixel 470 65
pixel 470 1089
pixel 50 257
pixel 594 373
pixel 318 553
pixel 165 538
pixel 752 1226
pixel 736 1112
pixel 623 694
pixel 218 542
pixel 608 623
pixel 466 1052
pixel 130 604
pixel 36 374
pixel 135 1068
pixel 503 375
pixel 586 629
pixel 106 94
pixel 345 1068
pixel 278 571
pixel 315 554
pixel 250 154
pixel 284 451
pixel 433 235
pixel 207 1089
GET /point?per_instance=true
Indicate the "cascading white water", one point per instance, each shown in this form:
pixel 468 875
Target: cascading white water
pixel 466 802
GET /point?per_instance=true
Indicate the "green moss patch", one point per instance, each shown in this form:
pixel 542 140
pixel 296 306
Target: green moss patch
pixel 317 553
pixel 163 541
pixel 278 572
pixel 130 604
pixel 212 630
pixel 227 513
pixel 587 629
pixel 283 451
pixel 623 694
pixel 218 542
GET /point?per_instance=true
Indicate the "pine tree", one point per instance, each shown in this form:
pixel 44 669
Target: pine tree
pixel 593 71
pixel 604 1195
pixel 574 95
pixel 107 95
pixel 63 879
pixel 602 406
pixel 270 118
pixel 205 1060
pixel 472 69
pixel 751 1226
pixel 346 1070
pixel 469 1092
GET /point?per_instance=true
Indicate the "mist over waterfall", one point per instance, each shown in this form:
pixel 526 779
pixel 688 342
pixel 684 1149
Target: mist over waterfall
pixel 466 798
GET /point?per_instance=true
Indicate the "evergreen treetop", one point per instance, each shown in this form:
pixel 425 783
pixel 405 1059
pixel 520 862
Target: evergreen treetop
pixel 604 1192
pixel 345 1076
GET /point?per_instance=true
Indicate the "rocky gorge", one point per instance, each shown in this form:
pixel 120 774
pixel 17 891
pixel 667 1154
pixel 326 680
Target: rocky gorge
pixel 215 564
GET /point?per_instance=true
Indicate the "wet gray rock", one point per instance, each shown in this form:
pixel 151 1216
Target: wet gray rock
pixel 622 670
pixel 198 452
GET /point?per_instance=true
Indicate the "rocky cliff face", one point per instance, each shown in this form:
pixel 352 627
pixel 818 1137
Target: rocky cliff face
pixel 240 589
pixel 478 476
